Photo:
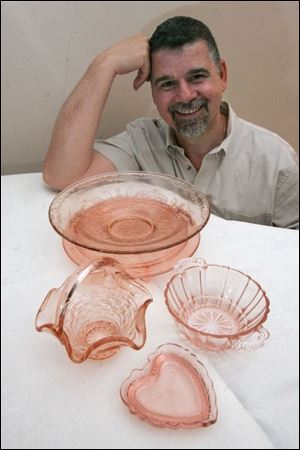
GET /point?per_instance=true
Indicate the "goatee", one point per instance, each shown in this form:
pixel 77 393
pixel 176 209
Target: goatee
pixel 193 127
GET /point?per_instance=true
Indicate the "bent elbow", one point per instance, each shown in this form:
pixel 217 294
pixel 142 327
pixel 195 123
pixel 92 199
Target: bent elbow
pixel 53 182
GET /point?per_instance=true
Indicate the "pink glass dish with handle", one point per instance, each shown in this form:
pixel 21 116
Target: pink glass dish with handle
pixel 98 309
pixel 217 307
pixel 173 390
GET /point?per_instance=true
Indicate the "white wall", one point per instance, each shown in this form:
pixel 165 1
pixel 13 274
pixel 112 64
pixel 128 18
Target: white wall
pixel 47 46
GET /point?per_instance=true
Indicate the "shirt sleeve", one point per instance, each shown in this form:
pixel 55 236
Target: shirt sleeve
pixel 118 150
pixel 286 205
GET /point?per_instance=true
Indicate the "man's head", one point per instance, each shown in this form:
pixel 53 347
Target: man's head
pixel 188 76
pixel 178 31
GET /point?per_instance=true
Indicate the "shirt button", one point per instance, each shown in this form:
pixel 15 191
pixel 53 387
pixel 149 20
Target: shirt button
pixel 189 167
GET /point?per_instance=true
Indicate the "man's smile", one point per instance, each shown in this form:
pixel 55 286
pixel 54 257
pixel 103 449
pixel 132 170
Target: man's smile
pixel 189 114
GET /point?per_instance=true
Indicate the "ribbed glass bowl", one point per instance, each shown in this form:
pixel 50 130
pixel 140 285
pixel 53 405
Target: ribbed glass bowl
pixel 217 307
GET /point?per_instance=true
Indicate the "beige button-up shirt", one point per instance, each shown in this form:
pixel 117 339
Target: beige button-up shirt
pixel 253 176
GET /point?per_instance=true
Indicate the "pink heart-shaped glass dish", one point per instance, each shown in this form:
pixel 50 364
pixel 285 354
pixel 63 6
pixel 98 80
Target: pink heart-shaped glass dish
pixel 173 390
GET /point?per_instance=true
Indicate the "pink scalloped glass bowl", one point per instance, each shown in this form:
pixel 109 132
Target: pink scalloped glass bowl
pixel 173 390
pixel 98 309
pixel 217 307
pixel 147 221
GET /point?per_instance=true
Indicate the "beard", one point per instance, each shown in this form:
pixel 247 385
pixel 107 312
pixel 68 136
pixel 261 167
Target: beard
pixel 193 127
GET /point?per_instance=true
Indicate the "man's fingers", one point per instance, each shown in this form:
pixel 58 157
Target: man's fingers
pixel 141 77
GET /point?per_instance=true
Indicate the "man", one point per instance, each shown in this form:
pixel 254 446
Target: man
pixel 248 173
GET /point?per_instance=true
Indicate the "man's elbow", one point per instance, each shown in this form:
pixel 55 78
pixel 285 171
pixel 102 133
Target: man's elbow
pixel 54 182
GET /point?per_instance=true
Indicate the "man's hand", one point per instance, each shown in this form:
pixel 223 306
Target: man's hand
pixel 129 55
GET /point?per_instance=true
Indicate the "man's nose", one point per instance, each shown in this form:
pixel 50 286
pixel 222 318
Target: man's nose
pixel 185 92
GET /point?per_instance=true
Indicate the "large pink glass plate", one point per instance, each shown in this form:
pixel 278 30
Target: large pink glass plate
pixel 129 213
pixel 141 265
pixel 173 390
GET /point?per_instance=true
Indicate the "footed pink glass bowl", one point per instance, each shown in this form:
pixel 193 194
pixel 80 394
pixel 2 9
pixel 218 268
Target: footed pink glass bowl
pixel 173 390
pixel 144 265
pixel 217 307
pixel 146 221
pixel 98 309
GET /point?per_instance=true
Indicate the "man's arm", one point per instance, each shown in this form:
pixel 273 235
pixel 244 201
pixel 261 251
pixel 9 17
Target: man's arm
pixel 70 155
pixel 286 202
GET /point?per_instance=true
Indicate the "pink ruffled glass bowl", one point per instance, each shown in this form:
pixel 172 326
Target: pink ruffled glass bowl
pixel 96 311
pixel 217 307
pixel 146 221
pixel 173 390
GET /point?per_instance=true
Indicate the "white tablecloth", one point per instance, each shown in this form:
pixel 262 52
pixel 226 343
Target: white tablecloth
pixel 50 402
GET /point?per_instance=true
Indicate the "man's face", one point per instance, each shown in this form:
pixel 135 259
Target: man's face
pixel 187 88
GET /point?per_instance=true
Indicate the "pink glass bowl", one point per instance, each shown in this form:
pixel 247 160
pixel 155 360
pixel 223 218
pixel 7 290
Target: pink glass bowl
pixel 146 221
pixel 217 307
pixel 143 265
pixel 98 309
pixel 173 390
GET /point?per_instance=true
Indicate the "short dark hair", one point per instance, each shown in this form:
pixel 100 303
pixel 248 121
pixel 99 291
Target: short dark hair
pixel 180 30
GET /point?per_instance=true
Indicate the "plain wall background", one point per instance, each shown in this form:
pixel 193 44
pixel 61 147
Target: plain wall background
pixel 47 46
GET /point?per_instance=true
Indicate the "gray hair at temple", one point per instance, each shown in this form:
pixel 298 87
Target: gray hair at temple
pixel 180 30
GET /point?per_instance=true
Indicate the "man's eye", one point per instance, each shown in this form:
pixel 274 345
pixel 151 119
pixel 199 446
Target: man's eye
pixel 197 77
pixel 167 84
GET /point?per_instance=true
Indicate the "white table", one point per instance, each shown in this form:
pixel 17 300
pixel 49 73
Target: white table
pixel 50 402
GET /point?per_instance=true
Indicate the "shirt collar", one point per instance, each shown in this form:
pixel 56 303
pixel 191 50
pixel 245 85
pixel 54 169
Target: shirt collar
pixel 226 109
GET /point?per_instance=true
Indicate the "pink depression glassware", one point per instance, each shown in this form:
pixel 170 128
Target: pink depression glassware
pixel 173 390
pixel 98 309
pixel 217 307
pixel 146 221
pixel 144 265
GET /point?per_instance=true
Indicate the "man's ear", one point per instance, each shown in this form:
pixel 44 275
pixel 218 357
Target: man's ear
pixel 223 73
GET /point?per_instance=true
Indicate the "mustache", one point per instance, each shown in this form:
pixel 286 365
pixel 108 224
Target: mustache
pixel 191 106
